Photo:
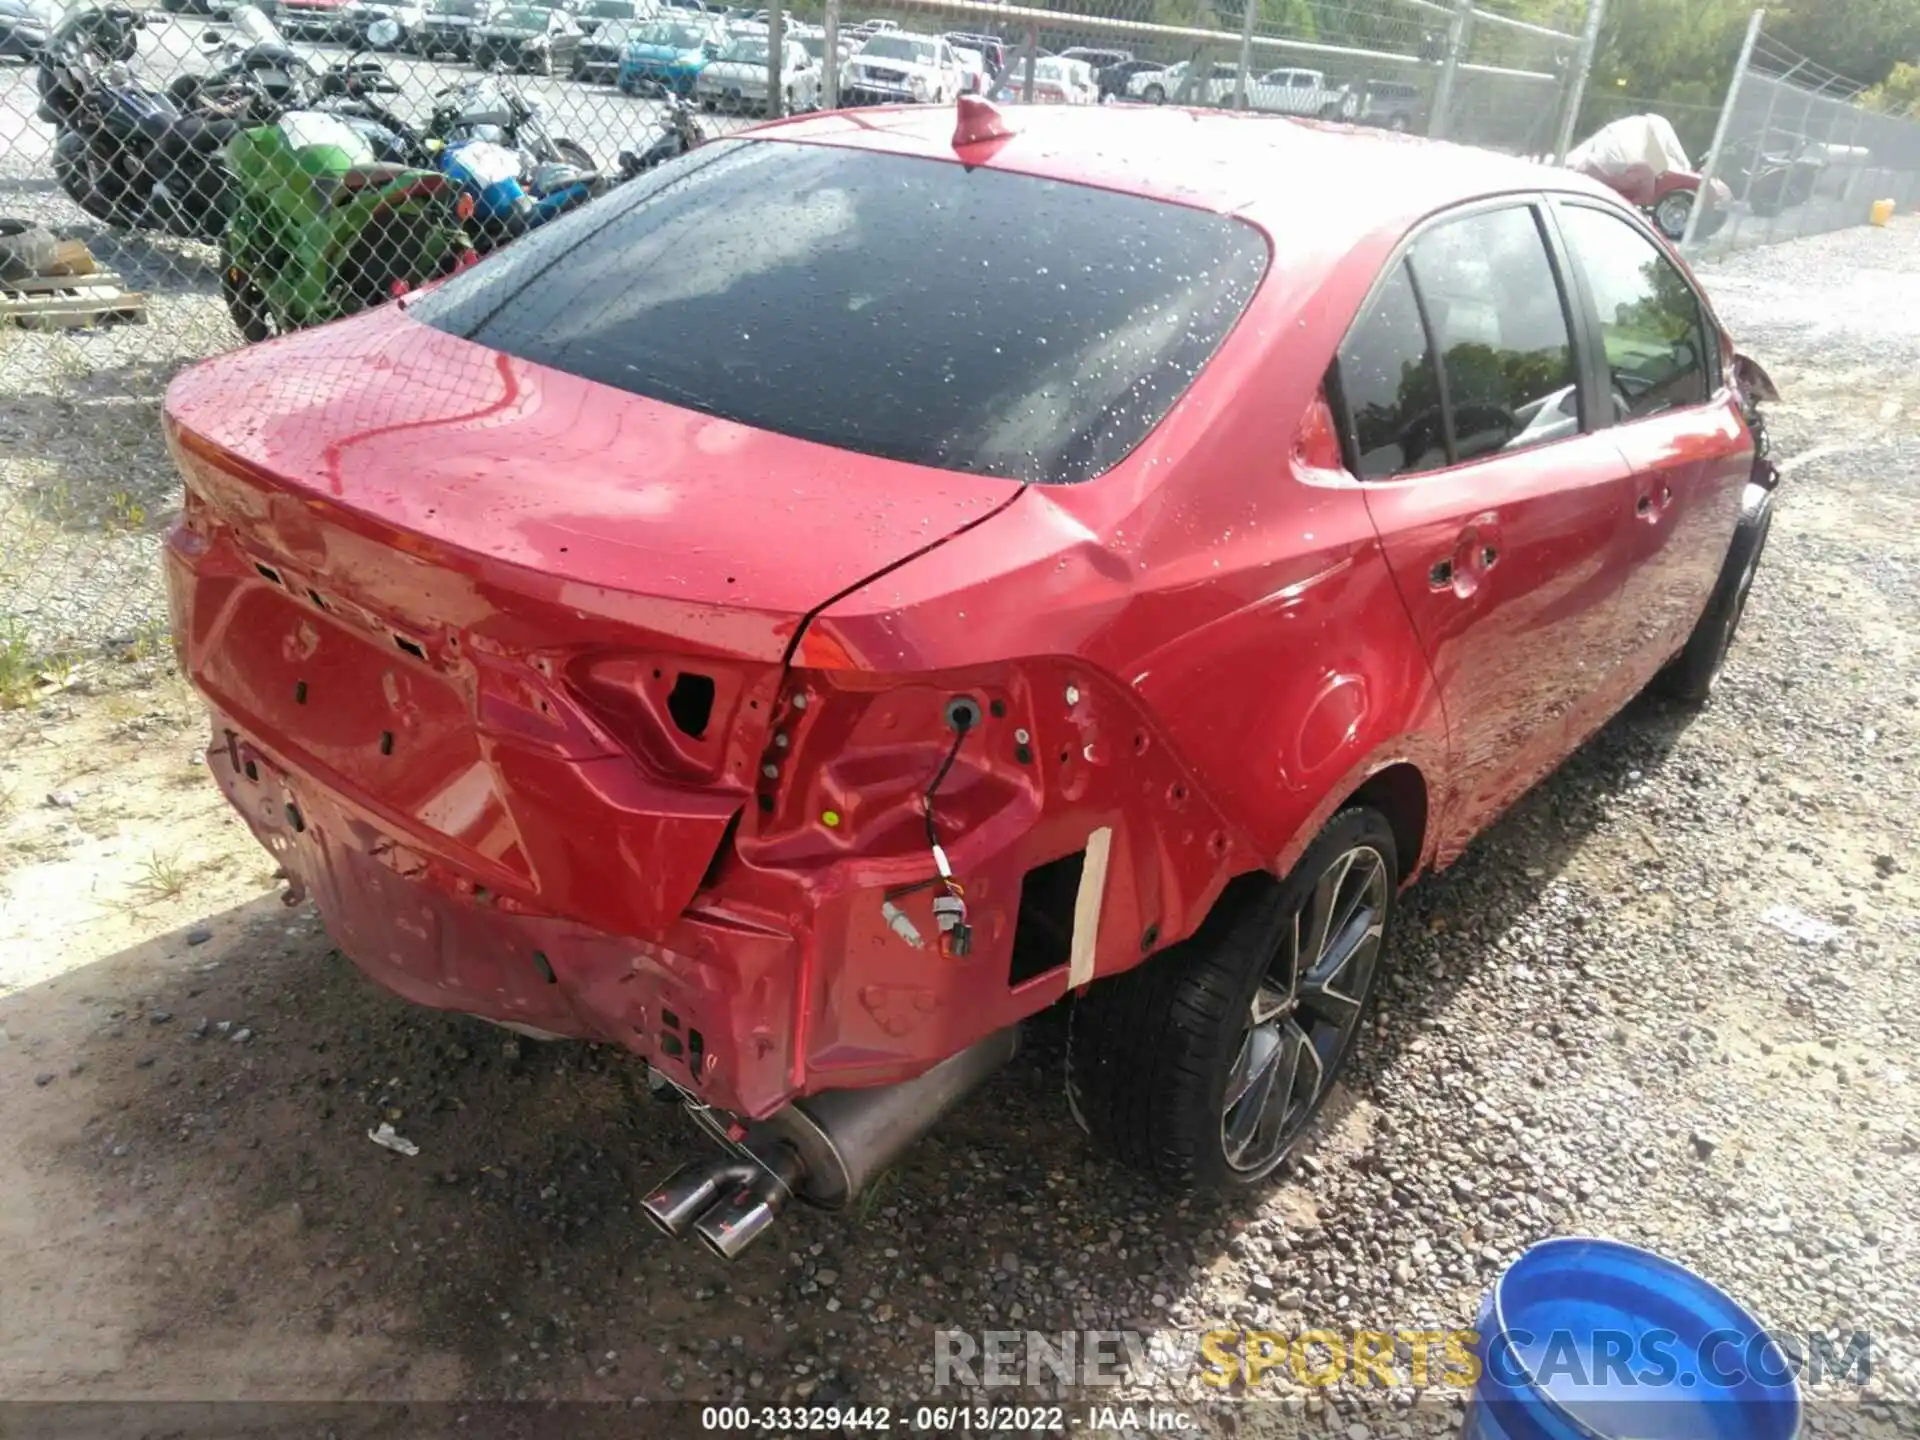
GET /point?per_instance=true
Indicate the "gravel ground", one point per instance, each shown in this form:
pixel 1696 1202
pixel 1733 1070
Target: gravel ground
pixel 1595 1024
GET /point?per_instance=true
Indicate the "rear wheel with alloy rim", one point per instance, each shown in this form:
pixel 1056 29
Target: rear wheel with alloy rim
pixel 1207 1064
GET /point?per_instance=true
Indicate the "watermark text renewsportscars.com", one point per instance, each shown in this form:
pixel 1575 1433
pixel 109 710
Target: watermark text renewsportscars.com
pixel 1245 1359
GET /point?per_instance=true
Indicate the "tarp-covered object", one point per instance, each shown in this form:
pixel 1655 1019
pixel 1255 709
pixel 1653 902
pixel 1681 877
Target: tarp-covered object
pixel 1631 154
pixel 1647 140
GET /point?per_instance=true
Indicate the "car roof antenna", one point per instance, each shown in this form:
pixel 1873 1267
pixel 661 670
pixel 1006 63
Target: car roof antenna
pixel 980 122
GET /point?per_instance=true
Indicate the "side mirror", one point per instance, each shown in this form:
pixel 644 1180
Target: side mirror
pixel 383 32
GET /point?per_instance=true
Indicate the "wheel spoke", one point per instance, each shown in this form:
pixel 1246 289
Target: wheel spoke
pixel 1268 1001
pixel 1255 1130
pixel 1319 911
pixel 1258 1054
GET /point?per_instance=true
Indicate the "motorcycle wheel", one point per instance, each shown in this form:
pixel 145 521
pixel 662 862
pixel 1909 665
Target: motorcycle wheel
pixel 573 154
pixel 248 307
pixel 70 168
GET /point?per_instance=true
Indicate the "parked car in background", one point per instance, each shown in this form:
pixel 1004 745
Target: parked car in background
pixel 736 82
pixel 1300 92
pixel 25 26
pixel 601 52
pixel 317 19
pixel 1114 79
pixel 791 671
pixel 1096 59
pixel 593 14
pixel 526 37
pixel 1391 104
pixel 669 54
pixel 1056 81
pixel 448 25
pixel 990 48
pixel 407 19
pixel 1181 84
pixel 975 79
pixel 897 67
pixel 814 41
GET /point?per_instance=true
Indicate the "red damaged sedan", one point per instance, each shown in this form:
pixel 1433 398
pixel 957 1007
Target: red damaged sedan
pixel 868 580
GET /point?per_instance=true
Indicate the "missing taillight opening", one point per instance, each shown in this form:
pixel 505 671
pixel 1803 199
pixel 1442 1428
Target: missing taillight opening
pixel 691 703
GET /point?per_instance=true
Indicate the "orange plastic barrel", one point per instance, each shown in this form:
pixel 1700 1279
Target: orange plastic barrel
pixel 1881 213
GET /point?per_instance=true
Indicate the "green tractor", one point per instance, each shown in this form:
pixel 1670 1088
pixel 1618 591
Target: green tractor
pixel 321 227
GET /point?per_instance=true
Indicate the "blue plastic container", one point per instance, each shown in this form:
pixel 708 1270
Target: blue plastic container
pixel 1595 1340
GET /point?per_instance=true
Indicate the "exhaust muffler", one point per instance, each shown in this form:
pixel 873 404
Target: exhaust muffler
pixel 825 1149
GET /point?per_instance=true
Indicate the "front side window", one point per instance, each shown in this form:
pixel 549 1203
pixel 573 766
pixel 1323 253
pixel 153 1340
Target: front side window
pixel 974 320
pixel 1500 326
pixel 1650 320
pixel 1392 390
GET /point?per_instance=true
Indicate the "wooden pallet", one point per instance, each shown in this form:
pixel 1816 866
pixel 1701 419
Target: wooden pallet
pixel 70 302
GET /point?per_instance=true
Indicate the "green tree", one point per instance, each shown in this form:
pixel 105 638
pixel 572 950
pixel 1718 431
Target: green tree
pixel 1862 39
pixel 1899 93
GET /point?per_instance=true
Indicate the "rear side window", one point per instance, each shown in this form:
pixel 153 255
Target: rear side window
pixel 1650 319
pixel 973 320
pixel 1391 389
pixel 1500 325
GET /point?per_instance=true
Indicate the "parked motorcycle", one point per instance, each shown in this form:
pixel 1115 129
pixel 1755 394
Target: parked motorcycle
pixel 1771 181
pixel 322 227
pixel 124 152
pixel 680 133
pixel 493 144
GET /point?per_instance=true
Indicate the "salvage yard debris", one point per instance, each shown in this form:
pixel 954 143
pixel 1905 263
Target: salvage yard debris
pixel 385 1136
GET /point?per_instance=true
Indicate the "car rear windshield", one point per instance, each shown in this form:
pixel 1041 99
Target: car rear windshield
pixel 969 319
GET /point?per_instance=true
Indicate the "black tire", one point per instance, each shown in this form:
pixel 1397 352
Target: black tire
pixel 1151 1052
pixel 1154 95
pixel 577 71
pixel 71 170
pixel 575 154
pixel 1691 676
pixel 245 303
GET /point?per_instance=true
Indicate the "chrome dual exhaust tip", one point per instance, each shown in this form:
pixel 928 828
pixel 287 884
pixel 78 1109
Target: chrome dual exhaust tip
pixel 825 1148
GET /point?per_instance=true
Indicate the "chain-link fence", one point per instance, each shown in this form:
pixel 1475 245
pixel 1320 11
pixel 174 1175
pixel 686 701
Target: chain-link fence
pixel 1794 153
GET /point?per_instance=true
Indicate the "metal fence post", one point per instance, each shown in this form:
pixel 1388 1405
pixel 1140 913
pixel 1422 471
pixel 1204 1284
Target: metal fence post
pixel 1712 167
pixel 1577 82
pixel 1441 119
pixel 1032 47
pixel 1854 172
pixel 776 60
pixel 1247 13
pixel 830 56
